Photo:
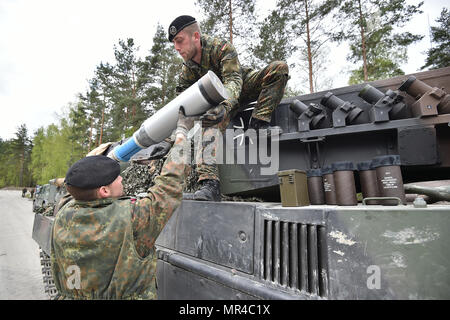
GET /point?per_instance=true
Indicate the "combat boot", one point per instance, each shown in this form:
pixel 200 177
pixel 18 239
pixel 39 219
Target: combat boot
pixel 209 191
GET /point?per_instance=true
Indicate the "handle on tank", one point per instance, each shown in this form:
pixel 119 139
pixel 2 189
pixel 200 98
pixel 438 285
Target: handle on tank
pixel 382 199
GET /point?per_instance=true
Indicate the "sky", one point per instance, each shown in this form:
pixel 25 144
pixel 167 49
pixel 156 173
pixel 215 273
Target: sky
pixel 50 48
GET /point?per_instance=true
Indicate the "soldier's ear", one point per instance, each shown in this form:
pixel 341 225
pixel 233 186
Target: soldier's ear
pixel 196 36
pixel 103 192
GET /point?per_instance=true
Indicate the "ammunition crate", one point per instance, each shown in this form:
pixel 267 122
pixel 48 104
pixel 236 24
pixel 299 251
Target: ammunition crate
pixel 293 188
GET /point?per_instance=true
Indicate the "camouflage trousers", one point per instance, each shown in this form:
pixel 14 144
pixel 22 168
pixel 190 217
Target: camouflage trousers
pixel 266 86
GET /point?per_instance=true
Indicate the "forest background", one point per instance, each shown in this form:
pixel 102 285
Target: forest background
pixel 125 91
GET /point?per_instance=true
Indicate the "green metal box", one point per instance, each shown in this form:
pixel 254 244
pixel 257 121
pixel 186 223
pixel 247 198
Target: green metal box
pixel 293 188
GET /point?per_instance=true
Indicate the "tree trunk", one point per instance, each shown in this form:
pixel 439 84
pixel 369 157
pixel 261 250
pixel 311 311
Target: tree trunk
pixel 102 123
pixel 90 135
pixel 231 22
pixel 363 41
pixel 22 164
pixel 308 45
pixel 133 93
pixel 164 81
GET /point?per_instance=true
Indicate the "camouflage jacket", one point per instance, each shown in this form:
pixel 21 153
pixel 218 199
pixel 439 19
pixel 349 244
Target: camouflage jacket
pixel 104 249
pixel 221 57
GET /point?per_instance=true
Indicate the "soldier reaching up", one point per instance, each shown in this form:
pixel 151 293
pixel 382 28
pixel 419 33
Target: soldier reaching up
pixel 201 53
pixel 102 242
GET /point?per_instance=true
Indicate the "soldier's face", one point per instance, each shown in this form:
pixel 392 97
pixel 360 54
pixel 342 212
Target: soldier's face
pixel 116 188
pixel 185 45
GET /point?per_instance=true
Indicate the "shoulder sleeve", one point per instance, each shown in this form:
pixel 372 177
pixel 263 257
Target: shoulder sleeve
pixel 231 70
pixel 186 79
pixel 150 214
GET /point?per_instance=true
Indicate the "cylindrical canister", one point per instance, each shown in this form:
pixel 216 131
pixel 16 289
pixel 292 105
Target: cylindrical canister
pixel 332 102
pixel 207 92
pixel 315 186
pixel 370 94
pixel 344 181
pixel 328 185
pixel 391 98
pixel 368 181
pixel 389 177
pixel 414 88
pixel 298 107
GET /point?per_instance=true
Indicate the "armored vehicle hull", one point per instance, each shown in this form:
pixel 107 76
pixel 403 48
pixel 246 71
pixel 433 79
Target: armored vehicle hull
pixel 251 250
pixel 265 251
pixel 423 143
pixel 262 250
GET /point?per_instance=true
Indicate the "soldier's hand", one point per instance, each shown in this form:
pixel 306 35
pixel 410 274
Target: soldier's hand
pixel 214 115
pixel 184 123
pixel 100 149
pixel 160 150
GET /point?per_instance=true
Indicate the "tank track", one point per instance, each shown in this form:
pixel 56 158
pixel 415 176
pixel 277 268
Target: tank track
pixel 47 276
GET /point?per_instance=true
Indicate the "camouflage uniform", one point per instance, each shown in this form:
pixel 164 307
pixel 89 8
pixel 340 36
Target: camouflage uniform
pixel 111 241
pixel 243 85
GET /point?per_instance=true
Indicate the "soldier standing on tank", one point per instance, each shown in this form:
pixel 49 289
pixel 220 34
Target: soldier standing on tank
pixel 201 53
pixel 103 243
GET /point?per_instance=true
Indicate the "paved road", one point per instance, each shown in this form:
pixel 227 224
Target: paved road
pixel 20 268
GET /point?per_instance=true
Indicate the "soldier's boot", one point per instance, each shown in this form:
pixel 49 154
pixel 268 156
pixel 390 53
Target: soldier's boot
pixel 263 127
pixel 209 191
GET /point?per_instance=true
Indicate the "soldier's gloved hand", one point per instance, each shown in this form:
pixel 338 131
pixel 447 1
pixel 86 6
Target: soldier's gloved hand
pixel 184 123
pixel 215 115
pixel 115 144
pixel 160 150
pixel 100 149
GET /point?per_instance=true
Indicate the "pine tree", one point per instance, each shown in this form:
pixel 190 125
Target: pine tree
pixel 21 148
pixel 101 92
pixel 295 27
pixel 127 93
pixel 230 19
pixel 77 129
pixel 37 156
pixel 274 41
pixel 7 164
pixel 368 25
pixel 163 69
pixel 439 55
pixel 97 101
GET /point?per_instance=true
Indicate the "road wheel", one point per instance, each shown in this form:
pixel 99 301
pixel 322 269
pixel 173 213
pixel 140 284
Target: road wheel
pixel 47 276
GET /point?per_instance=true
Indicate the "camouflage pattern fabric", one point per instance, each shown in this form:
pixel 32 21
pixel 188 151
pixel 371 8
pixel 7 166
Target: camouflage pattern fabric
pixel 266 86
pixel 104 249
pixel 244 85
pixel 220 57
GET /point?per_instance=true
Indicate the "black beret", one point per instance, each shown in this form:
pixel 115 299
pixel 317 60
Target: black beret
pixel 179 24
pixel 93 172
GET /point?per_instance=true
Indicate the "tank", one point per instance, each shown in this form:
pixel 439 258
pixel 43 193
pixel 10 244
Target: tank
pixel 44 204
pixel 42 199
pixel 249 246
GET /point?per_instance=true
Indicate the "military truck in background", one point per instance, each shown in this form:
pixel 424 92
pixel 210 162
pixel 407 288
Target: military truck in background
pixel 41 195
pixel 333 250
pixel 43 205
pixel 48 195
